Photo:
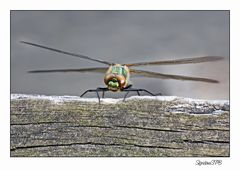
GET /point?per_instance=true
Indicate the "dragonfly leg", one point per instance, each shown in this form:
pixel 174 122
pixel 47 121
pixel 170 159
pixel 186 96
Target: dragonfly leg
pixel 91 90
pixel 98 96
pixel 129 89
pixel 97 90
pixel 125 95
pixel 146 91
pixel 128 86
pixel 158 94
pixel 103 89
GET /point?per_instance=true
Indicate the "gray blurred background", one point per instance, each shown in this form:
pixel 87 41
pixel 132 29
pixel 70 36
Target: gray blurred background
pixel 120 37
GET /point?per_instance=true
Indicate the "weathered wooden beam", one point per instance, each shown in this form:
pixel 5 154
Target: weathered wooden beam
pixel 141 126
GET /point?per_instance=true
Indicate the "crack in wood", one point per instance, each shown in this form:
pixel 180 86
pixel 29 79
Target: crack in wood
pixel 147 128
pixel 92 143
pixel 36 123
pixel 206 141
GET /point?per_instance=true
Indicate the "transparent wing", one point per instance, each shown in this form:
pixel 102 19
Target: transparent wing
pixel 170 76
pixel 95 70
pixel 67 53
pixel 179 61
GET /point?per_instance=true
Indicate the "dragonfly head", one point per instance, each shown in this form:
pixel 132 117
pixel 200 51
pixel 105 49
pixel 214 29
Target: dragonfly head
pixel 113 84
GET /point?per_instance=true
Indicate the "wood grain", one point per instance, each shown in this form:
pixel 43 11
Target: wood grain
pixel 135 128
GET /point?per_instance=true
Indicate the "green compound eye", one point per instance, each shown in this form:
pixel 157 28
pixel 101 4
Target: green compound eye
pixel 113 84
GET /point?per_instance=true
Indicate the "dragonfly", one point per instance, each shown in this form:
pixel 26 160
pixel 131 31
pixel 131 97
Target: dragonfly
pixel 117 76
